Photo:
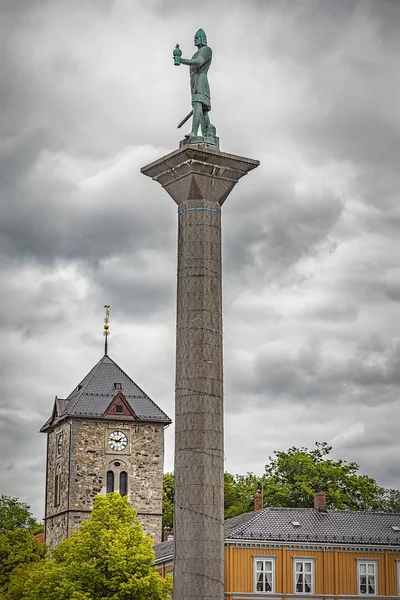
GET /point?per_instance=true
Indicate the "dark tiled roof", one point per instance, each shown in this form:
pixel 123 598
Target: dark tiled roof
pixel 93 394
pixel 237 522
pixel 164 550
pixel 334 526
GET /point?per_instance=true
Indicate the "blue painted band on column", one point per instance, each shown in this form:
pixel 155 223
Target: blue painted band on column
pixel 180 212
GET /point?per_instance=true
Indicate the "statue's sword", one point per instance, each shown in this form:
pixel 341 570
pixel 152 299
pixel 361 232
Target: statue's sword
pixel 185 119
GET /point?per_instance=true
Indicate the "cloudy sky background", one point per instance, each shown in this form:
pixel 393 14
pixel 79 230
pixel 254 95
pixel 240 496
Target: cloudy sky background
pixel 88 95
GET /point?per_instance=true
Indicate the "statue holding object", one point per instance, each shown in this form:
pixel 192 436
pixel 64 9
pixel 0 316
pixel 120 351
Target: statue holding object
pixel 201 101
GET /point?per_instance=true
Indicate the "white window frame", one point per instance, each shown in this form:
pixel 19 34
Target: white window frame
pixel 398 575
pixel 367 561
pixel 304 559
pixel 264 558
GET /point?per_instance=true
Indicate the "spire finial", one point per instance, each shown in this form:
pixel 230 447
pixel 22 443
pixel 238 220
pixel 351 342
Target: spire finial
pixel 106 326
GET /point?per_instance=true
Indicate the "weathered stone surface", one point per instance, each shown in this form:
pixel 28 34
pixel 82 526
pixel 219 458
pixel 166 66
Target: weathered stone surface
pixel 199 179
pixel 84 462
pixel 199 172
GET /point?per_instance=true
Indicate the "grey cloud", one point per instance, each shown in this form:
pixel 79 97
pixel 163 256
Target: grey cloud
pixel 88 96
pixel 55 220
pixel 311 375
pixel 273 231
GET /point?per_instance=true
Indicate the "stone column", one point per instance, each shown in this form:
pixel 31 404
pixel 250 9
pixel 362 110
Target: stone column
pixel 199 178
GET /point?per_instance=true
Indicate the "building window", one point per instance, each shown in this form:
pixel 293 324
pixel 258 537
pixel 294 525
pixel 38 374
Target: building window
pixel 367 577
pixel 57 486
pixel 123 483
pixel 59 444
pixel 264 574
pixel 303 576
pixel 119 408
pixel 110 481
pixel 117 386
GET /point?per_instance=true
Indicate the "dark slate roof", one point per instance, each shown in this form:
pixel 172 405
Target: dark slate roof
pixel 93 394
pixel 164 550
pixel 334 526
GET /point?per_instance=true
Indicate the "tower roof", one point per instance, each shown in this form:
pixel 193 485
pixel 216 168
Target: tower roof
pixel 92 396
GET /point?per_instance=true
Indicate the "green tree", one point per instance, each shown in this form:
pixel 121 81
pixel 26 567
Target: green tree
pixel 168 501
pixel 18 547
pixel 292 477
pixel 239 493
pixel 108 557
pixel 391 501
pixel 15 514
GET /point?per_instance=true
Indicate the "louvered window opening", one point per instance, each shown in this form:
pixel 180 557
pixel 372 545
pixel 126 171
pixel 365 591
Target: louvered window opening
pixel 110 482
pixel 123 483
pixel 57 486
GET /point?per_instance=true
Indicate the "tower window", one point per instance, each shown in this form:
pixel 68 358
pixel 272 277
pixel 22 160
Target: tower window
pixel 123 483
pixel 57 486
pixel 119 408
pixel 110 481
pixel 117 386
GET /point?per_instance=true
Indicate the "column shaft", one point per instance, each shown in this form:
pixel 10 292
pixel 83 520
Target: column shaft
pixel 199 443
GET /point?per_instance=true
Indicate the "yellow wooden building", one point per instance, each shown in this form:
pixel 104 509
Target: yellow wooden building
pixel 287 552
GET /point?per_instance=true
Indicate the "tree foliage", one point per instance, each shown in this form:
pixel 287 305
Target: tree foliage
pixel 291 479
pixel 108 557
pixel 18 547
pixel 168 501
pixel 391 501
pixel 239 493
pixel 293 476
pixel 15 514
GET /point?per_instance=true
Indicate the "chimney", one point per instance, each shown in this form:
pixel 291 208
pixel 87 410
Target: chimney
pixel 320 501
pixel 258 500
pixel 168 534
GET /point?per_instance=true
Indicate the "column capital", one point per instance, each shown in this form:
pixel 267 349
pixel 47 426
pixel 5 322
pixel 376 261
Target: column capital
pixel 199 172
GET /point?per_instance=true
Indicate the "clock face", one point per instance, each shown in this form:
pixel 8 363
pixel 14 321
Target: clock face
pixel 117 441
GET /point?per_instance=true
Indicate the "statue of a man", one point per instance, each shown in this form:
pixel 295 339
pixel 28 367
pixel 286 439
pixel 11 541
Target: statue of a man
pixel 199 65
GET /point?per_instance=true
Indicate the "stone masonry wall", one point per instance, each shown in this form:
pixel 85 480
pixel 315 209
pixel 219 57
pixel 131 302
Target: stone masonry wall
pixel 143 459
pixel 57 459
pixel 56 529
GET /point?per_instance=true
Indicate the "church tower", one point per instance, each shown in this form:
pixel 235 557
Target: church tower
pixel 107 435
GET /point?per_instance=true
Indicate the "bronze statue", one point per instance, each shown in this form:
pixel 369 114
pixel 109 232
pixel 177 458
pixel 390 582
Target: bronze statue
pixel 201 101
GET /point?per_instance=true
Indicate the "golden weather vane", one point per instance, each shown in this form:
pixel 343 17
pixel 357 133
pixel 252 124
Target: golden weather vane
pixel 106 326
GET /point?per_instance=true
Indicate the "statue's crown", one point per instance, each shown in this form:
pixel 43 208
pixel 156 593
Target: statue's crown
pixel 202 35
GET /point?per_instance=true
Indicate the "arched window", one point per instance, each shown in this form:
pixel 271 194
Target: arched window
pixel 123 483
pixel 57 486
pixel 110 481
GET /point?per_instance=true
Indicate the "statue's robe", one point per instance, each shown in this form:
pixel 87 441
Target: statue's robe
pixel 198 77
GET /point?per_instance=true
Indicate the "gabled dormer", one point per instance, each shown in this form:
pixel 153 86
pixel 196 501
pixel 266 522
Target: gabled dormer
pixel 119 408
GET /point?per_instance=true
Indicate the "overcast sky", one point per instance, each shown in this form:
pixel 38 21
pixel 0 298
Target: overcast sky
pixel 311 244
